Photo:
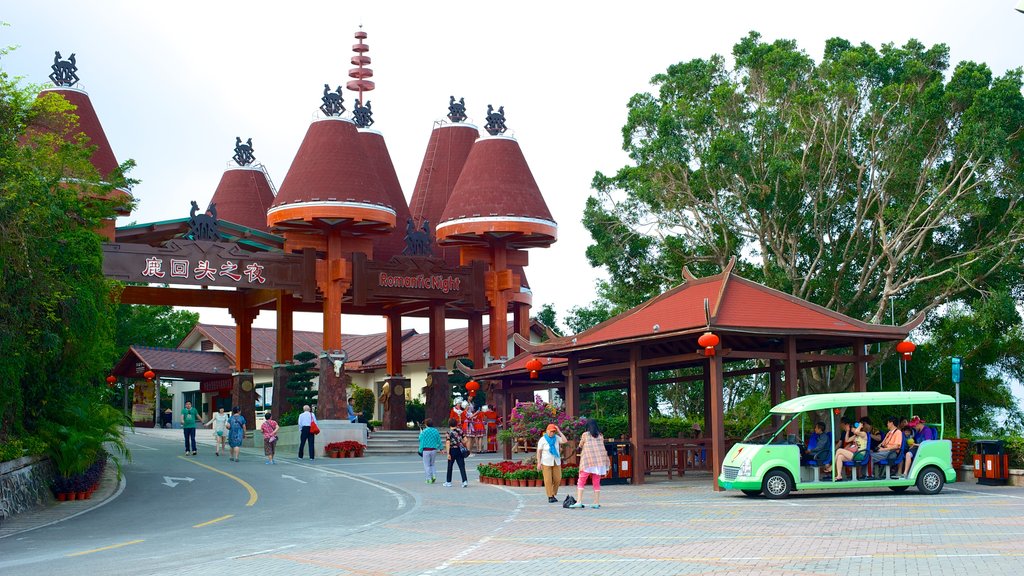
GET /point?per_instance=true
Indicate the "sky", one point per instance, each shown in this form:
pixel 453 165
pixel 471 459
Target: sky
pixel 175 83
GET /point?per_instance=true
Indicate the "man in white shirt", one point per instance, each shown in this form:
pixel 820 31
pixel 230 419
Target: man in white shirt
pixel 306 419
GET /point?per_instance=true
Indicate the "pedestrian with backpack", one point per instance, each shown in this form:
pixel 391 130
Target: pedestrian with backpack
pixel 456 448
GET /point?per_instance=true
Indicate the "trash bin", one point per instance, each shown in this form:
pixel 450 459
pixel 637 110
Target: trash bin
pixel 620 469
pixel 991 463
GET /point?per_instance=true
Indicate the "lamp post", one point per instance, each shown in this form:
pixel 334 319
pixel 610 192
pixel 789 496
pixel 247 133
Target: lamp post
pixel 956 380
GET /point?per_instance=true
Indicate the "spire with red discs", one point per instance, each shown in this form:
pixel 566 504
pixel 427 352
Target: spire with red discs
pixel 360 84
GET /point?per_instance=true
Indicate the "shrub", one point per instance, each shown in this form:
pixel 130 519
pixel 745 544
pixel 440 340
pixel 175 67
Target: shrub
pixel 1015 451
pixel 415 411
pixel 529 419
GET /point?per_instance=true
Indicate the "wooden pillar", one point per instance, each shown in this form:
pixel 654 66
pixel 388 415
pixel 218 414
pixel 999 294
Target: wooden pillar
pixel 775 387
pixel 521 322
pixel 506 410
pixel 476 339
pixel 333 278
pixel 717 452
pixel 860 378
pixel 498 295
pixel 708 418
pixel 637 419
pixel 437 350
pixel 243 391
pixel 792 370
pixel 394 344
pixel 285 352
pixel 572 388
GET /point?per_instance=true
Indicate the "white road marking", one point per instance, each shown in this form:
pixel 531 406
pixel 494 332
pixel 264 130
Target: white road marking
pixel 261 552
pixel 294 478
pixel 170 480
pixel 990 495
pixel 378 485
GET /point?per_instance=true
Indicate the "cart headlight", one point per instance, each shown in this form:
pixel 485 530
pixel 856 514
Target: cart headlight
pixel 745 468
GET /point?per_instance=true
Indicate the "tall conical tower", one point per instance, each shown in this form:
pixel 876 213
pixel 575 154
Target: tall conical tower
pixel 65 78
pixel 495 212
pixel 244 193
pixel 447 150
pixel 332 200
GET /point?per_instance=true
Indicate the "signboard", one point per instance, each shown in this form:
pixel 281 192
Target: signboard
pixel 143 401
pixel 204 263
pixel 211 386
pixel 956 369
pixel 417 278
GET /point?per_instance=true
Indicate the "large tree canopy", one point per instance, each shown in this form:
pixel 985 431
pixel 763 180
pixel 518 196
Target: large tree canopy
pixel 870 179
pixel 56 308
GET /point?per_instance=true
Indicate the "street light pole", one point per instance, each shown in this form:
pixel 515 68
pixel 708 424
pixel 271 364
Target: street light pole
pixel 956 362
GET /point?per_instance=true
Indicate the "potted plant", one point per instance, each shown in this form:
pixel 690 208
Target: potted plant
pixel 569 474
pixel 333 450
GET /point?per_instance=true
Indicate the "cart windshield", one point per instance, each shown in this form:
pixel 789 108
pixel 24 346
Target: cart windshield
pixel 772 431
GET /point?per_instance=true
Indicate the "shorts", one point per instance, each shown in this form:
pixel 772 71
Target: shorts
pixel 268 447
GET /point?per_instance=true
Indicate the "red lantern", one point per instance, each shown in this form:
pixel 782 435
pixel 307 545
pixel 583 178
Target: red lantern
pixel 472 386
pixel 906 348
pixel 534 365
pixel 149 374
pixel 110 381
pixel 708 341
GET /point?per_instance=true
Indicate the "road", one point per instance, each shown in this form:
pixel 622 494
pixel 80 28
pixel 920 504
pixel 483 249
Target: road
pixel 375 515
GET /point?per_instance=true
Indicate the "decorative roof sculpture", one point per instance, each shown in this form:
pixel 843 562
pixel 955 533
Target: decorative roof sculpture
pixel 333 102
pixel 203 226
pixel 362 115
pixel 457 110
pixel 495 121
pixel 243 152
pixel 64 71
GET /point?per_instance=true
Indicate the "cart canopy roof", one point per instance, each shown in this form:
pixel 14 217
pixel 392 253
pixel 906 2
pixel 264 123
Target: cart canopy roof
pixel 844 400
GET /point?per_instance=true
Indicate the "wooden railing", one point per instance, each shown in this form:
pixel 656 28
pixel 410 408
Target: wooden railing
pixel 677 455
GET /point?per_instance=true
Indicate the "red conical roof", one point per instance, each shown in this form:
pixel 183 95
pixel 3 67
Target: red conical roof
pixel 103 158
pixel 446 154
pixel 392 243
pixel 332 182
pixel 496 196
pixel 243 196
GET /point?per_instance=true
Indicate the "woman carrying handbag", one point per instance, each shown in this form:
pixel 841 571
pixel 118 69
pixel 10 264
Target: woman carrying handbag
pixel 456 448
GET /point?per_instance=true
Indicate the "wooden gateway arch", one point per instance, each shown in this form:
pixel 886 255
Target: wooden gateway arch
pixel 339 236
pixel 752 322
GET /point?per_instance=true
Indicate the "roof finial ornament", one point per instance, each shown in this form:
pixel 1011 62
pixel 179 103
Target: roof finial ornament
pixel 361 74
pixel 243 152
pixel 203 226
pixel 333 102
pixel 457 110
pixel 362 115
pixel 495 121
pixel 64 70
pixel 417 242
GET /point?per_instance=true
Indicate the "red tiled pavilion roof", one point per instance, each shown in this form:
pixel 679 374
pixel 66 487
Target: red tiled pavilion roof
pixel 187 364
pixel 736 305
pixel 243 196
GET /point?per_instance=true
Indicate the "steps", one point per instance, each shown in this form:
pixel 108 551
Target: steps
pixel 393 443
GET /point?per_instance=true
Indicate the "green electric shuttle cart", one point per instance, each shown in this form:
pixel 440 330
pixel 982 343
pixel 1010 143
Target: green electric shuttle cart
pixel 768 460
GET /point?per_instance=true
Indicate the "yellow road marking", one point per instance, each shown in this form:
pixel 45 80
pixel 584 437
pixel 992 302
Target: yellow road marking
pixel 253 497
pixel 105 548
pixel 214 521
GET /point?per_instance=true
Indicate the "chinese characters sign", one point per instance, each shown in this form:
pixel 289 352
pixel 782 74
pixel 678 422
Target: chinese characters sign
pixel 210 264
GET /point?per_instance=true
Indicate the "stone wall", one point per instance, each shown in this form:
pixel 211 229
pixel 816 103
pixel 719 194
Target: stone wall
pixel 24 484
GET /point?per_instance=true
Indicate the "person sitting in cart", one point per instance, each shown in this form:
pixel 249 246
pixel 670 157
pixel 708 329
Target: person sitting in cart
pixel 819 446
pixel 855 440
pixel 922 432
pixel 890 447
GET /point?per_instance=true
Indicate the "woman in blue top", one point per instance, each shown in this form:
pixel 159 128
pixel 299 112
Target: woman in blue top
pixel 237 432
pixel 430 444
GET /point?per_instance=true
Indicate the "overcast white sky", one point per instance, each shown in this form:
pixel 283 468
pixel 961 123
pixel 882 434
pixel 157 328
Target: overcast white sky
pixel 174 83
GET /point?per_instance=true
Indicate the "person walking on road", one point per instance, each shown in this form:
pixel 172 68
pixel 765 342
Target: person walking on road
pixel 269 429
pixel 549 460
pixel 237 432
pixel 594 463
pixel 188 426
pixel 457 451
pixel 306 420
pixel 220 425
pixel 430 444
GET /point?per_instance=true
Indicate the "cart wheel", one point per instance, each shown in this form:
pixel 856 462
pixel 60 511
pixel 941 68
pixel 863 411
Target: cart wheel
pixel 777 484
pixel 752 492
pixel 930 481
pixel 898 489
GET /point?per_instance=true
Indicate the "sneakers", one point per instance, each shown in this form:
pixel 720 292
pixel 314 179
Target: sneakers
pixel 194 452
pixel 595 507
pixel 429 481
pixel 433 479
pixel 267 462
pixel 577 505
pixel 465 484
pixel 447 484
pixel 552 499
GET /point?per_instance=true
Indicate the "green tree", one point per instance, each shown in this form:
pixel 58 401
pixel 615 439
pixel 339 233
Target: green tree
pixel 864 181
pixel 56 309
pixel 549 318
pixel 148 325
pixel 300 383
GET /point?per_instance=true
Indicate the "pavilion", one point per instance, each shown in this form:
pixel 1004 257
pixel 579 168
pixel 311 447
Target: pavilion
pixel 783 333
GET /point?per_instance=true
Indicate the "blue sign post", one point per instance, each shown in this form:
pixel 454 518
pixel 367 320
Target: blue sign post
pixel 957 362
